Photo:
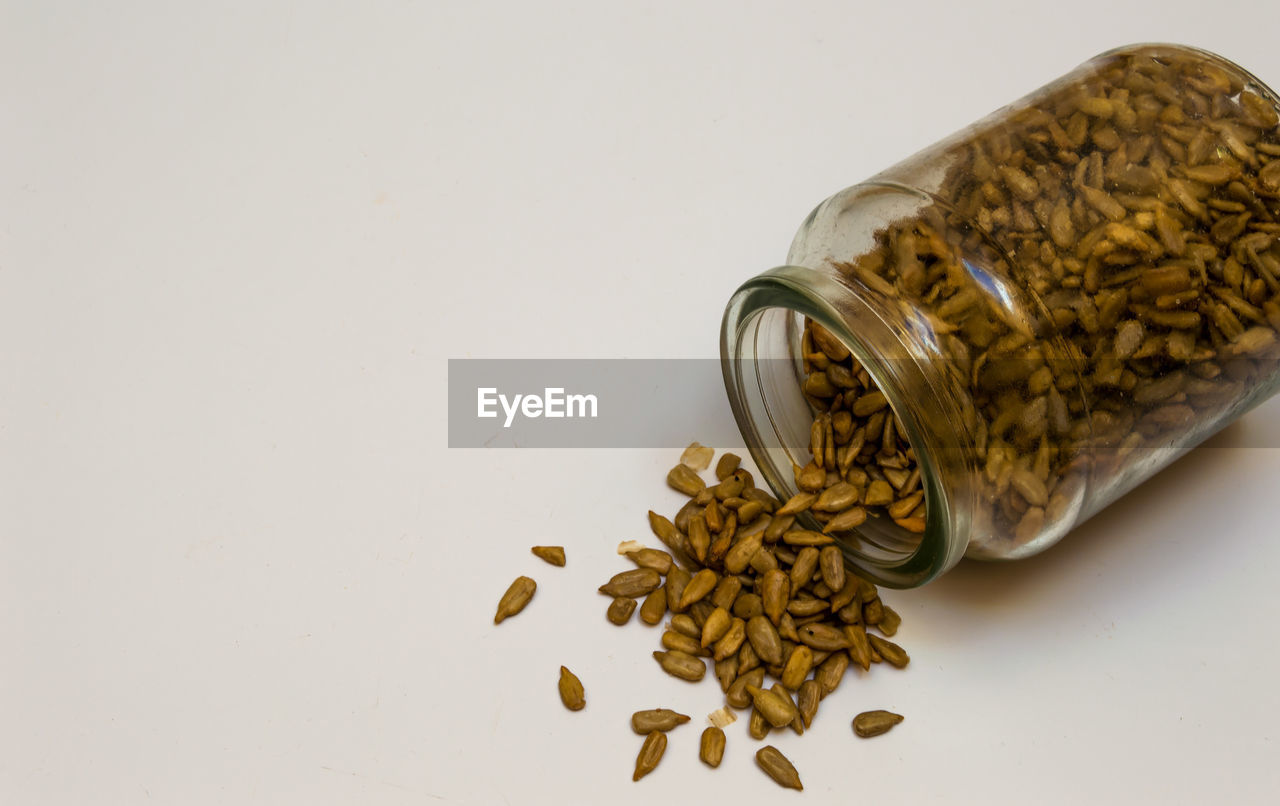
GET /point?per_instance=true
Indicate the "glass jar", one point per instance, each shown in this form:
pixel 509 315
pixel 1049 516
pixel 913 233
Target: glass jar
pixel 979 348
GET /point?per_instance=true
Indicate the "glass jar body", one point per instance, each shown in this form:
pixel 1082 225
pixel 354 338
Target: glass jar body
pixel 1055 303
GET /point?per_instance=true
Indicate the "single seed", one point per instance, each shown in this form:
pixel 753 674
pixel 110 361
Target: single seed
pixel 737 558
pixel 777 767
pixel 684 480
pixel 807 699
pixel 797 503
pixel 727 465
pixel 659 719
pixel 699 586
pixel 764 639
pixel 890 651
pixel 802 569
pixel 684 624
pixel 515 599
pixel 676 582
pixel 831 671
pixel 655 744
pixel 681 664
pixel 620 610
pixel 681 643
pixel 775 590
pixel 889 622
pixel 571 693
pixel 737 694
pixel 731 642
pixel 859 645
pixel 551 554
pixel 874 723
pixel 757 726
pixel 716 625
pixel 797 667
pixel 656 559
pixel 633 583
pixel 726 670
pixel 822 636
pixel 654 606
pixel 711 746
pixel 776 710
pixel 832 565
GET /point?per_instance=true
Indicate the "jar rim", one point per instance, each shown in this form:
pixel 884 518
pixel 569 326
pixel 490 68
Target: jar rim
pixel 796 290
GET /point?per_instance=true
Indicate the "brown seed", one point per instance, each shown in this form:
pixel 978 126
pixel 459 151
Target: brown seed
pixel 822 636
pixel 737 694
pixel 774 590
pixel 757 726
pixel 515 599
pixel 731 642
pixel 874 723
pixel 776 709
pixel 552 554
pixel 620 610
pixel 851 518
pixel 797 667
pixel 802 537
pixel 654 606
pixel 684 480
pixel 711 746
pixel 726 670
pixel 807 699
pixel 655 744
pixel 777 767
pixel 726 592
pixel 737 558
pixel 889 622
pixel 764 639
pixel 675 585
pixel 831 672
pixel 681 643
pixel 681 664
pixel 832 565
pixel 802 569
pixel 859 645
pixel 684 624
pixel 656 559
pixel 873 612
pixel 727 465
pixel 633 583
pixel 656 719
pixel 571 691
pixel 797 503
pixel 796 723
pixel 894 654
pixel 699 586
pixel 716 625
pixel 699 538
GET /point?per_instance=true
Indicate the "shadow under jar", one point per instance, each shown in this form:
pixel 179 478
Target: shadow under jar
pixel 976 350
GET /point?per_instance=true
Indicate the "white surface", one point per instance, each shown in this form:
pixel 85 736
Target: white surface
pixel 238 563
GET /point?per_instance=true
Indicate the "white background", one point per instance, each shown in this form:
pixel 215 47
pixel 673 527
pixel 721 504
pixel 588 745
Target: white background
pixel 238 563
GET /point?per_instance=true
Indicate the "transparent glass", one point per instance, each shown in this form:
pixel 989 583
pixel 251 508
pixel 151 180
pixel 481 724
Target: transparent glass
pixel 1056 302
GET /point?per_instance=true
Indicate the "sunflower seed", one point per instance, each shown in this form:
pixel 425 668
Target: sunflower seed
pixel 515 599
pixel 552 554
pixel 681 664
pixel 684 480
pixel 656 719
pixel 890 651
pixel 777 767
pixel 711 746
pixel 874 723
pixel 807 699
pixel 571 691
pixel 654 606
pixel 655 744
pixel 620 610
pixel 776 709
pixel 633 583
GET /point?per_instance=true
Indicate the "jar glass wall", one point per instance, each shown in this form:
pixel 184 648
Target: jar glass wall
pixel 976 350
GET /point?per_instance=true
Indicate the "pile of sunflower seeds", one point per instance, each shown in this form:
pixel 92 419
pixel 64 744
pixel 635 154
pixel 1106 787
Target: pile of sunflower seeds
pixel 754 595
pixel 1131 212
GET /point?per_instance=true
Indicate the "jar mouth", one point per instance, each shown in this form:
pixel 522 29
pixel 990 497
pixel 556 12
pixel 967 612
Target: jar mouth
pixel 760 361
